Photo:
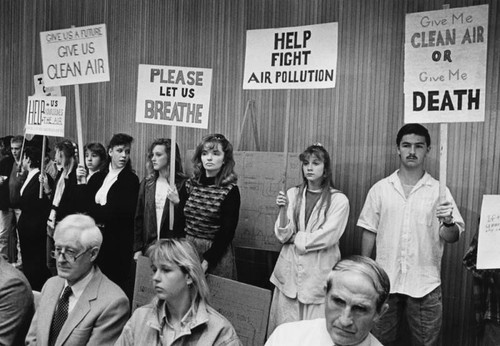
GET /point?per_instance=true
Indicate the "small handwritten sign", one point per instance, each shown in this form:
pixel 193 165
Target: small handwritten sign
pixel 488 251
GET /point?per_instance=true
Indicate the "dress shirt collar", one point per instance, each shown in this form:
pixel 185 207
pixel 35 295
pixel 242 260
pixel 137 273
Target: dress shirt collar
pixel 78 288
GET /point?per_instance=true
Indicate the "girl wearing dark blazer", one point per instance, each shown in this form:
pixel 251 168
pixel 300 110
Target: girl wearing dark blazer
pixel 155 193
pixel 64 197
pixel 111 198
pixel 32 223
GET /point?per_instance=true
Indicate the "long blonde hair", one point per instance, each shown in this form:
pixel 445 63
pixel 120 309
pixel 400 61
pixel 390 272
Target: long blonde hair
pixel 182 253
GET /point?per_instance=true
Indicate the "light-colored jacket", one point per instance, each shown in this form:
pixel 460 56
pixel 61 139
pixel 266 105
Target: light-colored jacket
pixel 309 251
pixel 97 318
pixel 208 327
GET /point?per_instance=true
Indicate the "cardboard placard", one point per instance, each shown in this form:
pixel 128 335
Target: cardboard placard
pixel 259 181
pixel 245 306
pixel 45 115
pixel 488 251
pixel 302 57
pixel 445 65
pixel 173 95
pixel 75 55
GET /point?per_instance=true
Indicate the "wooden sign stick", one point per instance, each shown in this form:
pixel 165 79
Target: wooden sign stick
pixel 283 217
pixel 173 136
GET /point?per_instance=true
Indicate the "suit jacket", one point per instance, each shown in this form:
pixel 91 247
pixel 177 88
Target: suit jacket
pixel 97 318
pixel 5 168
pixel 69 200
pixel 35 211
pixel 145 223
pixel 16 304
pixel 117 218
pixel 32 227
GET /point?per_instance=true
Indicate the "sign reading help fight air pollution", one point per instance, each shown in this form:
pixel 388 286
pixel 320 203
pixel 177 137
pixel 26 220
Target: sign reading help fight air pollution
pixel 303 57
pixel 75 55
pixel 45 115
pixel 445 65
pixel 172 95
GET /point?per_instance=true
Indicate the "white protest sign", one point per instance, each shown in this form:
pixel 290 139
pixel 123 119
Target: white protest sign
pixel 445 65
pixel 303 57
pixel 488 251
pixel 173 95
pixel 75 55
pixel 45 115
pixel 41 89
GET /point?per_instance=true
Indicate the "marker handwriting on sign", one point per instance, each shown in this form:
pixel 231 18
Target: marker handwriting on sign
pixel 74 69
pixel 181 112
pixel 434 100
pixel 176 77
pixel 291 40
pixel 36 110
pixel 76 49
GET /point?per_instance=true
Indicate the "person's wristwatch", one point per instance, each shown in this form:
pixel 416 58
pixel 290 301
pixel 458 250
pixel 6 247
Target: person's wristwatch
pixel 450 224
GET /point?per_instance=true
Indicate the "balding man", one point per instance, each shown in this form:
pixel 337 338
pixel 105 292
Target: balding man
pixel 80 306
pixel 356 293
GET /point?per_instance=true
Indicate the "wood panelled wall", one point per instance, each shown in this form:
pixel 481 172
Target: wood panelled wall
pixel 357 121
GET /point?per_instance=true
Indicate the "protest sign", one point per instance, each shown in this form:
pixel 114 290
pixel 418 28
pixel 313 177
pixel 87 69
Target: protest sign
pixel 45 115
pixel 75 55
pixel 488 251
pixel 41 89
pixel 303 57
pixel 245 306
pixel 445 65
pixel 172 95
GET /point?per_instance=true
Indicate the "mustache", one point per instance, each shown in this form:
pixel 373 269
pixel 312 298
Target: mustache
pixel 411 157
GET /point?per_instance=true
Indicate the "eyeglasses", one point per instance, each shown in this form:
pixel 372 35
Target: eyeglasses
pixel 68 254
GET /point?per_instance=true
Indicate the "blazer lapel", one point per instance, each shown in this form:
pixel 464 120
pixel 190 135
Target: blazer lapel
pixel 48 307
pixel 151 203
pixel 166 211
pixel 81 308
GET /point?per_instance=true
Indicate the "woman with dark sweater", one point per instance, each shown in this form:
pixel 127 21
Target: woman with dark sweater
pixel 209 206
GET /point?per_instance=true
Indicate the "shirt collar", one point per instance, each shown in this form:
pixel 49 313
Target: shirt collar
pixel 32 173
pixel 80 285
pixel 425 180
pixel 195 316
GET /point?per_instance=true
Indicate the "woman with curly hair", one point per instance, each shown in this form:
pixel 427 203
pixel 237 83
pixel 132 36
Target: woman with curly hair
pixel 209 206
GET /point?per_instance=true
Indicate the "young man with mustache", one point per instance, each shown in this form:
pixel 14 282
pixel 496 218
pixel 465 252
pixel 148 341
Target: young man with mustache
pixel 409 224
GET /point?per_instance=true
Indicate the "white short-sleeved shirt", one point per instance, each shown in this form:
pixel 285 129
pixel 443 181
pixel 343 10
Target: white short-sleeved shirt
pixel 409 247
pixel 309 333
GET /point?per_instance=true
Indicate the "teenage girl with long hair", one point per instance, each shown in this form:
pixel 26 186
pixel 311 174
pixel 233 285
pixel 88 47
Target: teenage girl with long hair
pixel 155 193
pixel 316 218
pixel 209 206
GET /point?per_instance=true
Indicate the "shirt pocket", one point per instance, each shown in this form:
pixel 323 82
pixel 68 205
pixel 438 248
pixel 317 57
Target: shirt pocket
pixel 425 211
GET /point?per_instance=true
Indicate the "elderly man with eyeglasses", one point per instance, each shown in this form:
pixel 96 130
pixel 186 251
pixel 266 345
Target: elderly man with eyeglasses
pixel 79 306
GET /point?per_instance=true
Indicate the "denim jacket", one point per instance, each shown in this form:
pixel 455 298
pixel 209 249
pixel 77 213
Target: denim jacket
pixel 203 327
